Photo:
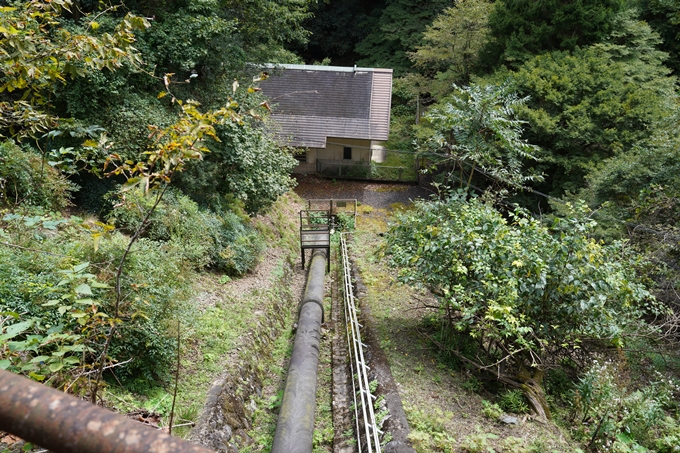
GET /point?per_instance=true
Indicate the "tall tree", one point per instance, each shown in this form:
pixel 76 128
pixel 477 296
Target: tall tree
pixel 521 29
pixel 475 129
pixel 596 102
pixel 664 17
pixel 336 28
pixel 398 31
pixel 451 45
pixel 39 56
pixel 516 298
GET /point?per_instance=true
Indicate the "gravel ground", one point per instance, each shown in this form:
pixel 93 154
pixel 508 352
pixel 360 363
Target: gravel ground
pixel 375 194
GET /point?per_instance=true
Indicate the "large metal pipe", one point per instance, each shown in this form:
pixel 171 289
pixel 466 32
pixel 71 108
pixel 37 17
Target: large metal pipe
pixel 62 423
pixel 295 425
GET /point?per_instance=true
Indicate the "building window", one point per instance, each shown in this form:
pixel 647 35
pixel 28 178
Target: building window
pixel 301 157
pixel 347 153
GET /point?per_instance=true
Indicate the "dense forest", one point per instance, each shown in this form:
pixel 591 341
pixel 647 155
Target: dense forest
pixel 133 156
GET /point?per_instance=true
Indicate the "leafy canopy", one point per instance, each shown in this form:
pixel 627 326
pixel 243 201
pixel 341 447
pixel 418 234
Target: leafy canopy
pixel 451 44
pixel 595 102
pixel 521 29
pixel 37 55
pixel 523 290
pixel 399 30
pixel 476 128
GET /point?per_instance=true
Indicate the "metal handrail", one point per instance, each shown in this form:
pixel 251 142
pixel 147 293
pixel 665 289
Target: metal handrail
pixel 358 364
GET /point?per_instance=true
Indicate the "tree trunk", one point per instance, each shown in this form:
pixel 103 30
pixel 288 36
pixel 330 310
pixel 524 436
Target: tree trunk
pixel 533 390
pixel 524 381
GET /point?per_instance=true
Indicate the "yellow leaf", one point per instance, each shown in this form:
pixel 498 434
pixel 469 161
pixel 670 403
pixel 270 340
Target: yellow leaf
pixel 162 94
pixel 94 25
pixel 96 237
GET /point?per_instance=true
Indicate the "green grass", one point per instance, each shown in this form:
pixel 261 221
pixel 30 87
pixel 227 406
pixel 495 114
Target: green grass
pixel 265 417
pixel 323 416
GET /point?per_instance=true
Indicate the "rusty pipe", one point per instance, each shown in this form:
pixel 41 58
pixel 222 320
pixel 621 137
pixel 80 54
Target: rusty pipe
pixel 295 426
pixel 63 423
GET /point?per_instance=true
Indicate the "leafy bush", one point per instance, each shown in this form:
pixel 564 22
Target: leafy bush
pixel 176 220
pixel 245 164
pixel 202 238
pixel 42 294
pixel 344 221
pixel 26 180
pixel 428 430
pixel 127 121
pixel 56 334
pixel 516 285
pixel 478 443
pixel 491 411
pixel 237 246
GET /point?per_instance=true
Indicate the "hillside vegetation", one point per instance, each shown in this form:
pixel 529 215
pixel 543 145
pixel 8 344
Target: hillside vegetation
pixel 133 162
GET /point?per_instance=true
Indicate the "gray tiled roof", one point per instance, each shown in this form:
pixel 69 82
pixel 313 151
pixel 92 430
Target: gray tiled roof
pixel 311 103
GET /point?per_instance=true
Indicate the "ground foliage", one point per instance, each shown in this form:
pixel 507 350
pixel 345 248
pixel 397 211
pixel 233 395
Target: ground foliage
pixel 612 416
pixel 57 301
pixel 26 179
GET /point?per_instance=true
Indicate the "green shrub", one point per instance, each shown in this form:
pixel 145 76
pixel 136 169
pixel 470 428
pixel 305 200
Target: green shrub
pixel 26 180
pixel 428 430
pixel 491 410
pixel 245 164
pixel 669 440
pixel 478 443
pixel 237 246
pixel 513 401
pixel 156 285
pixel 510 282
pixel 200 237
pixel 344 221
pixel 177 220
